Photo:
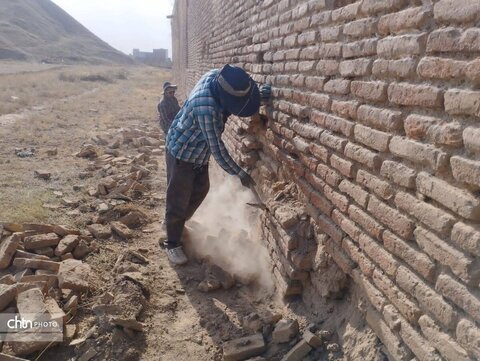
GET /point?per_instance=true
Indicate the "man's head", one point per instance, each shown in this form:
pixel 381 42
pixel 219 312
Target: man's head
pixel 169 89
pixel 238 93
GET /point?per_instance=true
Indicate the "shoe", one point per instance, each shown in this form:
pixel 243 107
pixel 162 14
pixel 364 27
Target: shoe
pixel 176 255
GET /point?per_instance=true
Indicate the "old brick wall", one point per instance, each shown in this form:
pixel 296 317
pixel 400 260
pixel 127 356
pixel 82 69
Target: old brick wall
pixel 369 152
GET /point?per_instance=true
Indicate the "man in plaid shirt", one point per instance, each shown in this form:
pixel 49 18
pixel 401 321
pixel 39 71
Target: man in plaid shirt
pixel 194 135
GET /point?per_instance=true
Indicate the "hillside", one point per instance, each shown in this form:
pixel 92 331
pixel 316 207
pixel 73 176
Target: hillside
pixel 39 30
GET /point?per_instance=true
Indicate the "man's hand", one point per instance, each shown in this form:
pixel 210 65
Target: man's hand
pixel 246 180
pixel 265 93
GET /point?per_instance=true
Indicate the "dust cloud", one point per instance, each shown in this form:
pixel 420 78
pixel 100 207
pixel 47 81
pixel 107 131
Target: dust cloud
pixel 226 231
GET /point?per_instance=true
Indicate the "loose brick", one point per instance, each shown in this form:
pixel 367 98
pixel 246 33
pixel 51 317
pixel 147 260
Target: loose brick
pixel 443 342
pixel 361 28
pixel 402 68
pixel 7 249
pixel 395 47
pixel 418 260
pixel 362 155
pixel 471 139
pixel 368 90
pixel 466 170
pixel 345 167
pixel 415 95
pixel 337 86
pixel 382 119
pixel 376 185
pixel 418 152
pixel 368 223
pixel 398 173
pixel 441 68
pixel 357 67
pixel 36 264
pixel 391 218
pixel 361 48
pixel 347 109
pixel 373 7
pixel 41 241
pixel 467 237
pixel 379 255
pixel 468 335
pixel 462 102
pixel 372 138
pixel 409 19
pixel 243 348
pixel 457 11
pixel 458 200
pixel 428 299
pixel 435 218
pixel 354 191
pixel 459 262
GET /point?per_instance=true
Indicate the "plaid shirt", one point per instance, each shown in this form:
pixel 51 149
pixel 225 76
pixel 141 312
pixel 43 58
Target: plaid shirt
pixel 197 129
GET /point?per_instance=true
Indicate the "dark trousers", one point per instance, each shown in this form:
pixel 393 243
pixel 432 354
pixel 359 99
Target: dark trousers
pixel 187 187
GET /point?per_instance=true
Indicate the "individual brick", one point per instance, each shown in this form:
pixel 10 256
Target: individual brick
pixel 305 66
pixel 398 173
pixel 322 203
pixel 356 67
pixel 329 228
pixel 441 68
pixel 293 54
pixel 467 237
pixel 379 118
pixel 471 139
pixel 468 335
pixel 319 152
pixel 310 52
pixel 395 47
pixel 461 264
pixel 472 71
pixel 466 170
pixel 457 11
pixel 373 7
pixel 418 260
pixel 338 200
pixel 435 218
pixel 354 191
pixel 444 40
pixel 415 95
pixel 339 257
pixel 358 256
pixel 433 130
pixel 375 184
pixel 337 86
pixel 319 101
pixel 368 223
pixel 459 294
pixel 458 200
pixel 362 155
pixel 330 50
pixel 391 218
pixel 332 141
pixel 339 125
pixel 307 38
pixel 345 167
pixel 445 344
pixel 361 48
pixel 428 299
pixel 330 34
pixel 360 28
pixel 462 102
pixel 376 298
pixel 330 175
pixel 346 13
pixel 8 247
pixel 349 227
pixel 418 344
pixel 315 82
pixel 418 152
pixel 346 109
pixel 372 138
pixel 410 19
pixel 375 91
pixel 402 68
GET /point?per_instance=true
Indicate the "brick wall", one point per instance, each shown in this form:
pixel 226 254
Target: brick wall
pixel 369 155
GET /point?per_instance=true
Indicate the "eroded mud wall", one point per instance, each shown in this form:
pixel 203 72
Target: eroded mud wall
pixel 369 155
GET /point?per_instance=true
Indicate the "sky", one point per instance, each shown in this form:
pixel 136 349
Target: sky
pixel 125 24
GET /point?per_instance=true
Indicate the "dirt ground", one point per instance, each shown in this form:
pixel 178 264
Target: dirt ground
pixel 180 321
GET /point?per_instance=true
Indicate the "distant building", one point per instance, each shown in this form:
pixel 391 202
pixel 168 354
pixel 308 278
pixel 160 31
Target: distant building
pixel 158 57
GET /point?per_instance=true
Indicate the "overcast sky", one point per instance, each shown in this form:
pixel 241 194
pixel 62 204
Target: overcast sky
pixel 125 24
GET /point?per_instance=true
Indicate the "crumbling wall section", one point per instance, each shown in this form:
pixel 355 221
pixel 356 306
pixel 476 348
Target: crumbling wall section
pixel 372 139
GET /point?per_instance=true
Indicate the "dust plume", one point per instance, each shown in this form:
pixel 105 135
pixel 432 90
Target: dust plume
pixel 228 234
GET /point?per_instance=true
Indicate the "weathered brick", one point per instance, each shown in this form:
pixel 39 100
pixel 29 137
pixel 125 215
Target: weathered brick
pixel 307 38
pixel 444 40
pixel 457 11
pixel 373 7
pixel 435 218
pixel 391 218
pixel 441 68
pixel 402 68
pixel 374 91
pixel 468 335
pixel 354 191
pixel 466 170
pixel 357 67
pixel 467 237
pixel 418 344
pixel 472 71
pixel 337 86
pixel 459 262
pixel 350 228
pixel 418 152
pixel 462 102
pixel 346 13
pixel 441 341
pixel 329 228
pixel 339 257
pixel 433 130
pixel 372 138
pixel 382 119
pixel 319 101
pixel 321 18
pixel 409 19
pixel 345 167
pixel 471 139
pixel 330 34
pixel 322 203
pixel 458 200
pixel 339 125
pixel 315 82
pixel 368 223
pixel 375 184
pixel 306 66
pixel 8 248
pixel 394 47
pixel 360 48
pixel 338 200
pixel 428 299
pixel 459 294
pixel 332 141
pixel 347 109
pixel 319 152
pixel 362 155
pixel 415 95
pixel 358 256
pixel 361 28
pixel 398 173
pixel 292 54
pixel 330 175
pixel 376 298
pixel 418 260
pixel 330 50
